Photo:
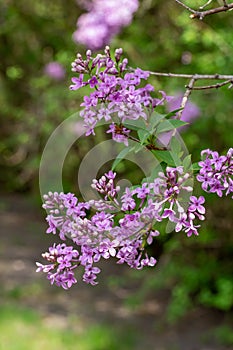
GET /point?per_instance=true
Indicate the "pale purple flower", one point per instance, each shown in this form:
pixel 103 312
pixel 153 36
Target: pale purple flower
pixel 190 111
pixel 54 70
pixel 128 203
pixel 197 204
pixel 104 20
pixel 77 82
pixel 90 274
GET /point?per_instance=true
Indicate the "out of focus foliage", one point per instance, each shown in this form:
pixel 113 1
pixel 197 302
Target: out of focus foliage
pixel 162 38
pixel 32 104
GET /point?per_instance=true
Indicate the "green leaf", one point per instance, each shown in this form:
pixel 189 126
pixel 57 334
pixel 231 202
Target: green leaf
pixel 142 134
pixel 175 145
pixel 138 147
pixel 164 156
pixel 176 158
pixel 154 120
pixel 135 124
pixel 172 113
pixel 187 163
pixel 122 155
pixel 170 124
pixel 176 150
pixel 196 167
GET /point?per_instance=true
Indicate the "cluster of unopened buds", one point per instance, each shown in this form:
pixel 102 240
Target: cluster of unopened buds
pixel 118 95
pixel 116 227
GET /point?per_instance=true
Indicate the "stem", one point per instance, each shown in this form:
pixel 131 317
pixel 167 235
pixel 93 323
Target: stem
pixel 186 96
pixel 195 76
pixel 201 14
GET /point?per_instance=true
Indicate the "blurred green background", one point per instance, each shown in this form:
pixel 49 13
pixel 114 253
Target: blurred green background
pixel 193 273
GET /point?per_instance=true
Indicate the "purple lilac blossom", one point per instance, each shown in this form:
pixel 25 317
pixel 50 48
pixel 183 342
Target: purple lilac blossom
pixel 116 227
pixel 63 259
pixel 216 172
pixel 117 95
pixel 55 70
pixel 96 28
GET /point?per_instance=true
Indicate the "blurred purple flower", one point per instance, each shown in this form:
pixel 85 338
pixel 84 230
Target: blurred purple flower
pixel 54 70
pixel 104 20
pixel 189 114
pixel 190 111
pixel 78 128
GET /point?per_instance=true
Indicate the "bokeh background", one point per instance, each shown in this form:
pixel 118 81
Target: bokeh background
pixel 186 301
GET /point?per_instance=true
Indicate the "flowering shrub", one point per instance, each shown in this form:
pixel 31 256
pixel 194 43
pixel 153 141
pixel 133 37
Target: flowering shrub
pixel 123 226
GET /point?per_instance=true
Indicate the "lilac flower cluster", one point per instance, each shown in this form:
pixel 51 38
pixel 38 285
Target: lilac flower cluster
pixel 104 20
pixel 64 260
pixel 119 227
pixel 117 94
pixel 216 172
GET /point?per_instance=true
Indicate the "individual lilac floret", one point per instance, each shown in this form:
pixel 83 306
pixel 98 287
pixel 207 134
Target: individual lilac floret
pixel 120 226
pixel 216 172
pixel 185 221
pixel 116 93
pixel 104 20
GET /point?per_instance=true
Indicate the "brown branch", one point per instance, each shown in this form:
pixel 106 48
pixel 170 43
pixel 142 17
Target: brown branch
pixel 185 6
pixel 203 6
pixel 201 14
pixel 187 93
pixel 192 79
pixel 214 86
pixel 195 76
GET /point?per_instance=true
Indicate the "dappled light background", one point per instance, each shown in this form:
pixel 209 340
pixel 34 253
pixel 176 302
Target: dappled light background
pixel 186 301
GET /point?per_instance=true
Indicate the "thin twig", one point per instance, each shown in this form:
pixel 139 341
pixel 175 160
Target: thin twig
pixel 214 86
pixel 201 14
pixel 203 6
pixel 196 76
pixel 187 93
pixel 192 79
pixel 185 6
